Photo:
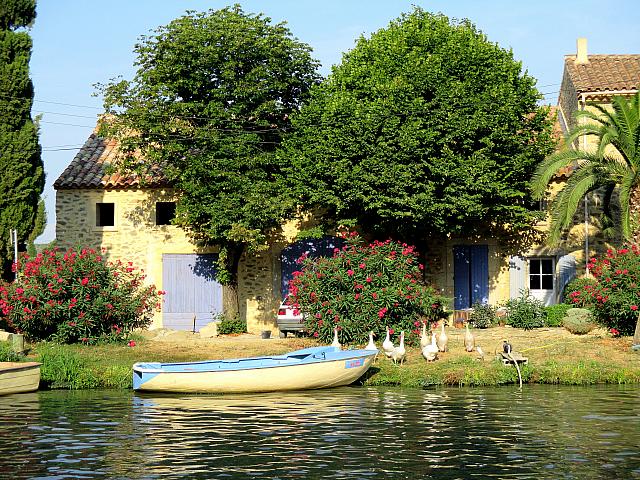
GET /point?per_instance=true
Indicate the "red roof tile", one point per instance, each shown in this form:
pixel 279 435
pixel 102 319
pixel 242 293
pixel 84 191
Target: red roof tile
pixel 88 168
pixel 604 73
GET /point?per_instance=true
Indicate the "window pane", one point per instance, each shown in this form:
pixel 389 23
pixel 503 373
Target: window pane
pixel 547 282
pixel 165 212
pixel 534 282
pixel 105 215
pixel 534 266
pixel 547 266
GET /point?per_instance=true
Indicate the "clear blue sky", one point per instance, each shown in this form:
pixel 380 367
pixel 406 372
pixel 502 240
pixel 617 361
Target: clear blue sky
pixel 78 43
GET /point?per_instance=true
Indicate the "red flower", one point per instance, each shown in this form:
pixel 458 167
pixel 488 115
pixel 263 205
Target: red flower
pixel 614 332
pixel 634 307
pixel 84 281
pixel 131 343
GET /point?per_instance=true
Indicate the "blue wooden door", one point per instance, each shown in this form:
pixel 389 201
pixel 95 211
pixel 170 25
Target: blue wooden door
pixel 313 247
pixel 470 275
pixel 192 290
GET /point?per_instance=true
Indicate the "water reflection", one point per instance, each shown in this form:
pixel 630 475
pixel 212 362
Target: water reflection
pixel 355 433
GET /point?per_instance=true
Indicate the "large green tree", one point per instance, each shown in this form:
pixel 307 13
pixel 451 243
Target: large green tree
pixel 613 165
pixel 425 129
pixel 210 102
pixel 21 168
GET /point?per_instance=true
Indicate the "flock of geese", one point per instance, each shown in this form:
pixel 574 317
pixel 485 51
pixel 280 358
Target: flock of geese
pixel 430 348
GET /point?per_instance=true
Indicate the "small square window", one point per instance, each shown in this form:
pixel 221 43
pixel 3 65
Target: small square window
pixel 105 215
pixel 165 212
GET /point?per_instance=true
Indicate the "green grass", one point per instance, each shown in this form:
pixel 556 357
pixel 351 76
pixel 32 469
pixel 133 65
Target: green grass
pixel 575 360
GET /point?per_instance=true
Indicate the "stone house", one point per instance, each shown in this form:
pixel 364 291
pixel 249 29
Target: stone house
pixel 486 271
pixel 133 222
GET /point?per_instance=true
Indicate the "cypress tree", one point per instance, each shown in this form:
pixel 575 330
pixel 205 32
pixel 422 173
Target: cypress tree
pixel 21 167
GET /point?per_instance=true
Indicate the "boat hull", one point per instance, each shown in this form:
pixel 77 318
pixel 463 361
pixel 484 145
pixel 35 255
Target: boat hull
pixel 19 377
pixel 328 372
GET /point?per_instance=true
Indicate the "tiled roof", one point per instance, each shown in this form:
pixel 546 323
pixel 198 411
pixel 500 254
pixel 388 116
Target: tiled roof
pixel 88 168
pixel 604 73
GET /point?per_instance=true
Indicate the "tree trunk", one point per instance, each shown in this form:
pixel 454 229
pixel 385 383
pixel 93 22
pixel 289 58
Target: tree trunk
pixel 230 299
pixel 230 304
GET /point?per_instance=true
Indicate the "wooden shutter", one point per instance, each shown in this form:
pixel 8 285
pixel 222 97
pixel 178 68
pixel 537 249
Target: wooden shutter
pixel 517 276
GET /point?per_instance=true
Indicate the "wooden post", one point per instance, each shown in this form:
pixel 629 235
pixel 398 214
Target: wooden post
pixel 636 335
pixel 17 342
pixel 194 324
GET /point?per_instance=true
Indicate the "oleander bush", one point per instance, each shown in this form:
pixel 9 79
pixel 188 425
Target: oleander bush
pixel 578 292
pixel 616 297
pixel 77 296
pixel 525 312
pixel 363 288
pixel 483 315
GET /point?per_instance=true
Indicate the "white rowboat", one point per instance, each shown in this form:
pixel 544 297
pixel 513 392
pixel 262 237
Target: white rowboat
pixel 311 368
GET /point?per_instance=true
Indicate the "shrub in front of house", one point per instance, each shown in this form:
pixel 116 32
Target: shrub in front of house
pixel 483 315
pixel 555 314
pixel 231 325
pixel 364 288
pixel 525 312
pixel 616 295
pixel 77 296
pixel 578 321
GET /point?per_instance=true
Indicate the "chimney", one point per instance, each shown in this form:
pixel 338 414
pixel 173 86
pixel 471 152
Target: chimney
pixel 581 56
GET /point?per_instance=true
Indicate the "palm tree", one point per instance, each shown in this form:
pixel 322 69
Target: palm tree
pixel 613 164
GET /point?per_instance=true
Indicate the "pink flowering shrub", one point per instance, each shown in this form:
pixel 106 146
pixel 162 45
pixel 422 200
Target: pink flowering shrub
pixel 76 296
pixel 365 288
pixel 615 295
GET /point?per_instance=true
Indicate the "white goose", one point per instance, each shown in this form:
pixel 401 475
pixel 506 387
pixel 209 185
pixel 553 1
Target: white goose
pixel 469 340
pixel 387 345
pixel 399 352
pixel 442 339
pixel 430 352
pixel 336 342
pixel 371 345
pixel 424 339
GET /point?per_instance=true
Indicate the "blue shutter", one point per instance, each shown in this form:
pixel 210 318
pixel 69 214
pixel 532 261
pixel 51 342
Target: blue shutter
pixel 313 247
pixel 479 274
pixel 461 269
pixel 192 290
pixel 517 277
pixel 566 272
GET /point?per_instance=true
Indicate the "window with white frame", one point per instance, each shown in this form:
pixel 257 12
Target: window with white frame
pixel 541 274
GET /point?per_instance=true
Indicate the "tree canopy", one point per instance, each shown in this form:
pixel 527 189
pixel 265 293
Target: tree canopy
pixel 425 128
pixel 21 168
pixel 613 165
pixel 210 102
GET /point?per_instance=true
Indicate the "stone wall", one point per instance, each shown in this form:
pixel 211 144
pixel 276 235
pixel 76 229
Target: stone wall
pixel 135 238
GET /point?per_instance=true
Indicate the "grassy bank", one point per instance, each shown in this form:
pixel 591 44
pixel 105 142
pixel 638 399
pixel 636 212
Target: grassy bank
pixel 555 357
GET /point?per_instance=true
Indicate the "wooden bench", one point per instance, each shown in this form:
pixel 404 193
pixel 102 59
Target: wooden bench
pixel 515 356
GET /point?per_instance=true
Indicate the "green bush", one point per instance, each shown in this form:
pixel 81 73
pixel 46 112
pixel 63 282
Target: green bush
pixel 578 292
pixel 525 312
pixel 483 315
pixel 231 325
pixel 555 314
pixel 578 321
pixel 74 297
pixel 7 354
pixel 365 288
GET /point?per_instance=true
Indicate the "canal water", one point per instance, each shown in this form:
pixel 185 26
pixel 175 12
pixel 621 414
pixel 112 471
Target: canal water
pixel 346 433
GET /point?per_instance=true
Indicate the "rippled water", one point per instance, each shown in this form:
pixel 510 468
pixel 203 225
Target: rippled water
pixel 347 433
